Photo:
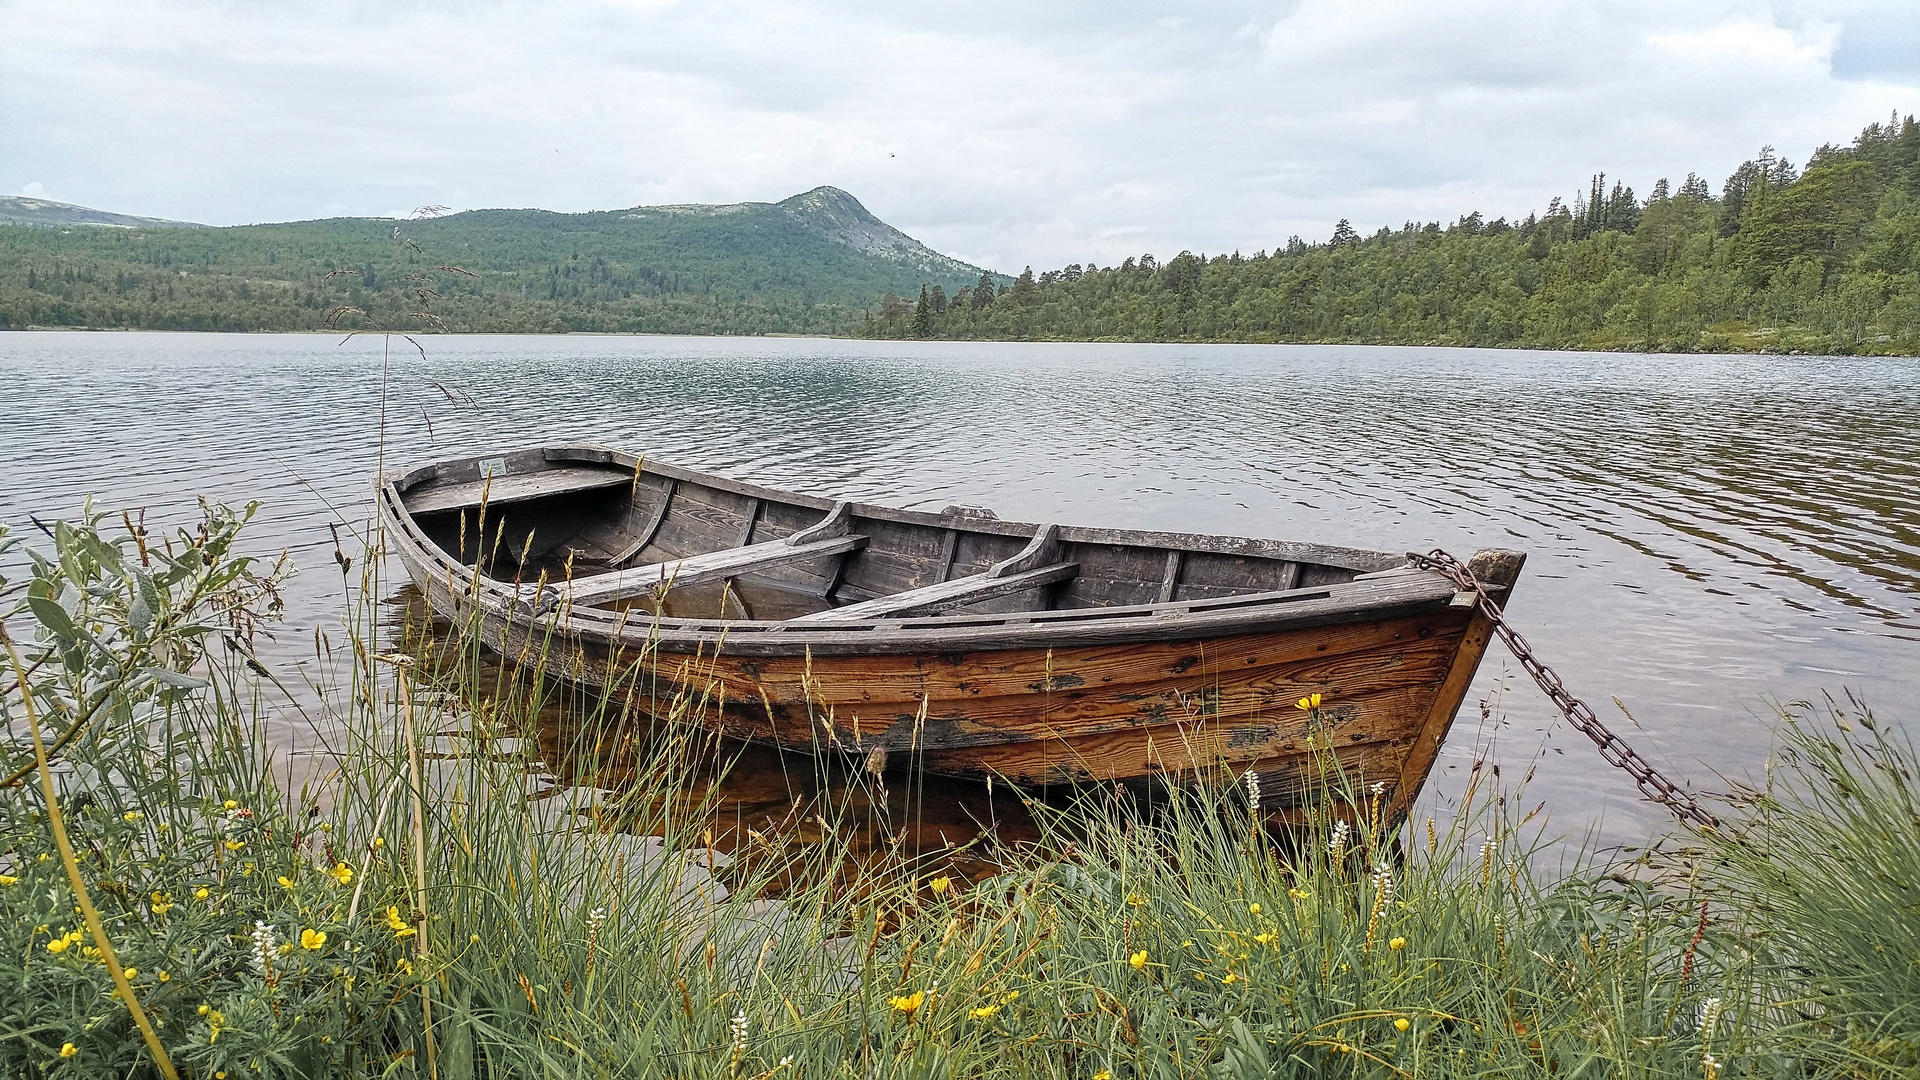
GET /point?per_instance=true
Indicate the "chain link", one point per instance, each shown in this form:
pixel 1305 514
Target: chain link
pixel 1615 750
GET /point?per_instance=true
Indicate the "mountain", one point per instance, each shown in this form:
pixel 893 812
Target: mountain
pixel 814 263
pixel 839 217
pixel 23 210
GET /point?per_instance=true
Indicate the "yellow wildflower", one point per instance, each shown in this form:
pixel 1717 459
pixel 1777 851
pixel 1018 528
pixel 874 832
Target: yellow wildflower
pixel 131 816
pixel 1229 977
pixel 342 873
pixel 1397 943
pixel 379 843
pixel 202 893
pixel 1299 894
pixel 1253 909
pixel 58 945
pixel 397 924
pixel 1010 997
pixel 1103 1074
pixel 230 805
pixel 162 976
pixel 67 1050
pixel 286 882
pixel 1136 900
pixel 909 1003
pixel 1263 939
pixel 1138 960
pixel 9 879
pixel 984 1012
pixel 1308 703
pixel 131 972
pixel 1402 1024
pixel 313 939
pixel 403 966
pixel 235 845
pixel 205 1009
pixel 940 885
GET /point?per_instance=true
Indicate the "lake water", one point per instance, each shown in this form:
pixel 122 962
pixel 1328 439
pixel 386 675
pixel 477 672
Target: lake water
pixel 1706 534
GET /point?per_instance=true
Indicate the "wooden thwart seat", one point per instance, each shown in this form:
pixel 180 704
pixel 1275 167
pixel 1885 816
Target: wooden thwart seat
pixel 829 538
pixel 501 489
pixel 1030 569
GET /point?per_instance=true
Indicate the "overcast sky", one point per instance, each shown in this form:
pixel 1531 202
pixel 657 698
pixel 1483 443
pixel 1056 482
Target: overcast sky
pixel 1007 134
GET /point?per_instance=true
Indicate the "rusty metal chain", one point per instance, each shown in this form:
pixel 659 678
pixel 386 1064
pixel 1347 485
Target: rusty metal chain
pixel 1615 750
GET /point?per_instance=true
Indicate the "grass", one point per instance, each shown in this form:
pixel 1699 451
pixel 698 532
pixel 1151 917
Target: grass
pixel 441 906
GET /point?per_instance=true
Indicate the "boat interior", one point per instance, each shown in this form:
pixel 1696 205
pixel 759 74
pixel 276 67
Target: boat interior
pixel 585 526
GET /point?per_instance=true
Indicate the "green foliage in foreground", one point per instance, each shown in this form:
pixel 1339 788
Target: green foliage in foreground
pixel 1822 261
pixel 749 269
pixel 471 929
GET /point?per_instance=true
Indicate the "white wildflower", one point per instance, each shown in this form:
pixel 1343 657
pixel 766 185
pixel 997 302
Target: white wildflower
pixel 1709 1018
pixel 1383 881
pixel 1337 843
pixel 596 919
pixel 263 946
pixel 1252 780
pixel 1378 788
pixel 738 1027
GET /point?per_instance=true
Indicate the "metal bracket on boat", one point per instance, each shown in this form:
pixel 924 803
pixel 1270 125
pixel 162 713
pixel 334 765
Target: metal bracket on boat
pixel 1615 750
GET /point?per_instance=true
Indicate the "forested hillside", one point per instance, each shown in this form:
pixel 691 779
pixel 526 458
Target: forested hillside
pixel 810 264
pixel 1825 259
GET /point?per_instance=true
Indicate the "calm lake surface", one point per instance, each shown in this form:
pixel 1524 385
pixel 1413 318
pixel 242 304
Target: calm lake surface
pixel 1706 534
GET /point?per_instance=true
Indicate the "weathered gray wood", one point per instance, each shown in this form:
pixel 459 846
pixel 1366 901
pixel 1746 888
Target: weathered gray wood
pixel 946 554
pixel 838 522
pixel 942 596
pixel 1043 549
pixel 711 566
pixel 652 526
pixel 1175 557
pixel 753 518
pixel 509 488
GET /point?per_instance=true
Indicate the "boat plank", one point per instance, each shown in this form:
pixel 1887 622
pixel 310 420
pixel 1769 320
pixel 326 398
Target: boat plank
pixel 499 490
pixel 711 566
pixel 942 596
pixel 907 678
pixel 651 526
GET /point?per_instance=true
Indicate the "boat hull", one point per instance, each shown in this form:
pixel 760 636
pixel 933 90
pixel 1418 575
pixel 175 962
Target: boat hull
pixel 1058 698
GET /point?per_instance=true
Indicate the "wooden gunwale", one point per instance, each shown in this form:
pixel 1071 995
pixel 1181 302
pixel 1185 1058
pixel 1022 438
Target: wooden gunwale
pixel 1186 620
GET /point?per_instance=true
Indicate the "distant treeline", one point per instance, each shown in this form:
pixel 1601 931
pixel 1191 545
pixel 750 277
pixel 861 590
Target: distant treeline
pixel 756 270
pixel 1826 259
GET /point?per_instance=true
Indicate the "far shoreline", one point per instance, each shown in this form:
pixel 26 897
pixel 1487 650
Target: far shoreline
pixel 1616 351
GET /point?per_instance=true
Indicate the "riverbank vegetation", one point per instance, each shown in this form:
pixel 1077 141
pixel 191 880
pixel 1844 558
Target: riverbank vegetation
pixel 1820 259
pixel 431 902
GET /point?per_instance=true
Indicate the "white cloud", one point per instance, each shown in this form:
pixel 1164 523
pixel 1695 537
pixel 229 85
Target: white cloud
pixel 1743 42
pixel 1008 134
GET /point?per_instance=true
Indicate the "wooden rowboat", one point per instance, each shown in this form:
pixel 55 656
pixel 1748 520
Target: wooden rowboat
pixel 954 642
